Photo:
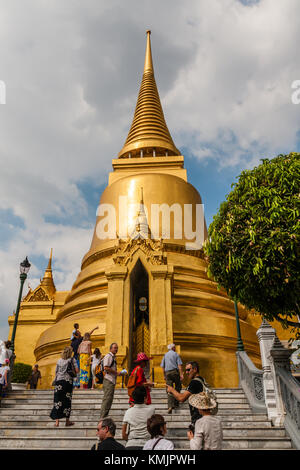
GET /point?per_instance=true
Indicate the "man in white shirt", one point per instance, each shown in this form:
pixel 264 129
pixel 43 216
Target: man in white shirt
pixel 109 381
pixel 134 429
pixel 4 370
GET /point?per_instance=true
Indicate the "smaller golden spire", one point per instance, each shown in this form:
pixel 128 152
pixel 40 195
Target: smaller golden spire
pixel 50 261
pixel 47 281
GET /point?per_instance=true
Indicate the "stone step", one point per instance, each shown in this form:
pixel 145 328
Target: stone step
pixel 87 401
pixel 118 392
pixel 90 431
pixel 232 420
pixel 117 398
pixel 178 424
pixel 113 412
pixel 80 443
pixel 122 407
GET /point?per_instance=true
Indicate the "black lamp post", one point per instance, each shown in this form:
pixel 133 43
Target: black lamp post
pixel 240 345
pixel 24 268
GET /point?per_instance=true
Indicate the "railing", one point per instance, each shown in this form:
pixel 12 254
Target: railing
pixel 290 394
pixel 251 380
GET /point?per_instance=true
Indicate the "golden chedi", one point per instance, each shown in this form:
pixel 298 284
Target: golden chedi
pixel 145 286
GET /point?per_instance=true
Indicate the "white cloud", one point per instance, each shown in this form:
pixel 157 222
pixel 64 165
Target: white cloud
pixel 72 73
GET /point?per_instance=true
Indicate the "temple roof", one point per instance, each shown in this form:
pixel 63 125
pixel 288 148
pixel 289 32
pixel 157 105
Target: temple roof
pixel 149 133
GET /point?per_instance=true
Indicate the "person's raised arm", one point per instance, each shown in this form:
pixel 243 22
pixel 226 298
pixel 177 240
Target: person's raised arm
pixel 181 397
pixel 96 328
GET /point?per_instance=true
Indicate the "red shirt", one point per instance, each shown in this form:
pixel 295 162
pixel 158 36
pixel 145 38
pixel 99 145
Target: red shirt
pixel 140 379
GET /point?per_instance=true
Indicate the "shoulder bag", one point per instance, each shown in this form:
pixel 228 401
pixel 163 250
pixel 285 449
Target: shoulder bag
pixel 71 369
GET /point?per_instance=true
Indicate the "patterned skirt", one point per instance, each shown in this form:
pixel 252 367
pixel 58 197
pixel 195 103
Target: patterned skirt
pixel 76 380
pixel 62 400
pixel 84 369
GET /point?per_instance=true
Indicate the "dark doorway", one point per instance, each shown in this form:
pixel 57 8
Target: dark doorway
pixel 139 314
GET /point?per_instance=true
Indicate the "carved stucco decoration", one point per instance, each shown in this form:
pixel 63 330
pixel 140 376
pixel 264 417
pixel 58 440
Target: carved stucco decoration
pixel 153 250
pixel 39 295
pixel 28 295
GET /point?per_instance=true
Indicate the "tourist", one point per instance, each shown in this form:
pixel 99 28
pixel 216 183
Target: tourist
pixel 106 431
pixel 64 387
pixel 96 359
pixel 85 351
pixel 75 345
pixel 11 356
pixel 75 333
pixel 208 432
pixel 195 386
pixel 109 381
pixel 3 353
pixel 157 428
pixel 171 366
pixel 134 429
pixel 35 377
pixel 4 370
pixel 138 372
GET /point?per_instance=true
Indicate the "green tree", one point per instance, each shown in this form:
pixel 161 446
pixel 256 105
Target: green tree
pixel 254 241
pixel 21 372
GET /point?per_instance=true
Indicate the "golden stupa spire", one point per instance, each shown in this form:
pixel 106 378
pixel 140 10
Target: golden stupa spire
pixel 47 281
pixel 149 135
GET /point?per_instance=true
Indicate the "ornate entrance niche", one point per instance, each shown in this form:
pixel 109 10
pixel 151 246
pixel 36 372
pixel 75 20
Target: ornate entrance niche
pixel 140 270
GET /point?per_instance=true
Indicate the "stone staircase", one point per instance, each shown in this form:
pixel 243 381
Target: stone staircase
pixel 25 422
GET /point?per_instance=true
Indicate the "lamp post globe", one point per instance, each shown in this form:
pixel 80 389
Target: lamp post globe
pixel 24 269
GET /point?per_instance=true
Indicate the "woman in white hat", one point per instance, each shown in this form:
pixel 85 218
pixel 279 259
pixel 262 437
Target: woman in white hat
pixel 208 434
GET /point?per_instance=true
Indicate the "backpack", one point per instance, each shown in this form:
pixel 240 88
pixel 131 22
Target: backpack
pixel 131 382
pixel 209 392
pixel 99 372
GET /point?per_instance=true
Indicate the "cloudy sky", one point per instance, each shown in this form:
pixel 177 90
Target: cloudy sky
pixel 72 70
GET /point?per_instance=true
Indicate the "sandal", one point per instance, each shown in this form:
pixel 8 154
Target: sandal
pixel 70 423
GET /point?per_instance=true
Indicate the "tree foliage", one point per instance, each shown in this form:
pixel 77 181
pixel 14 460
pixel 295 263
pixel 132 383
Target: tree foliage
pixel 21 373
pixel 254 241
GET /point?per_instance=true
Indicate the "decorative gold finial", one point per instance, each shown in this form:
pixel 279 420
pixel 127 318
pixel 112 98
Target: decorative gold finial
pixel 148 67
pixel 149 135
pixel 47 281
pixel 50 260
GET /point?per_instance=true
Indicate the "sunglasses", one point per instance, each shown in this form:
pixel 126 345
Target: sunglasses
pixel 101 427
